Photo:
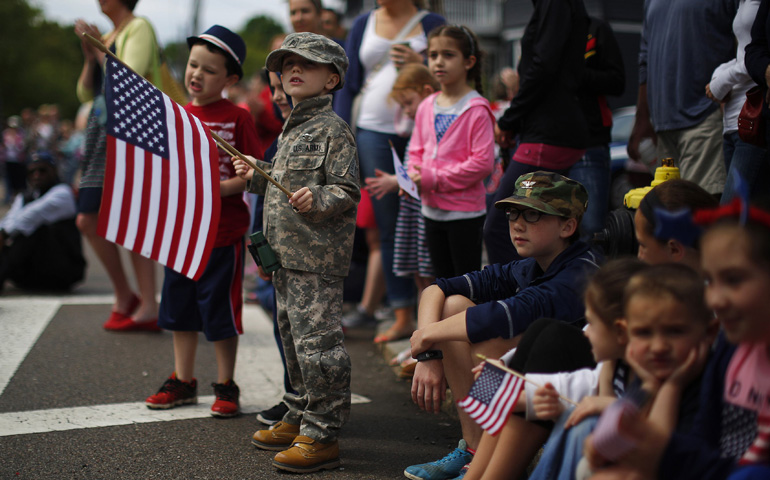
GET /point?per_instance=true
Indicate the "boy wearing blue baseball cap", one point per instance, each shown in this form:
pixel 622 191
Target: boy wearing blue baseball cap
pixel 213 303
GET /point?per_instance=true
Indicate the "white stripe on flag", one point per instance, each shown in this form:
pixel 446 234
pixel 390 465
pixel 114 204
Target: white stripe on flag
pixel 173 185
pixel 475 408
pixel 135 207
pixel 205 219
pixel 189 166
pixel 154 210
pixel 513 395
pixel 502 400
pixel 117 190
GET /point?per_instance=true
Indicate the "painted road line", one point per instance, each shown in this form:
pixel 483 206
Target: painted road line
pixel 21 323
pixel 259 374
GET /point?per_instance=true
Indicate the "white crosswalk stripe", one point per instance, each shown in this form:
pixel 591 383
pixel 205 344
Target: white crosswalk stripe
pixel 23 319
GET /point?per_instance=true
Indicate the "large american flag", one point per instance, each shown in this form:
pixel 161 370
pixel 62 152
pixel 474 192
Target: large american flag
pixel 492 397
pixel 161 186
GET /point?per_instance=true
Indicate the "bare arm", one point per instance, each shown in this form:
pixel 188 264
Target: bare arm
pixel 231 186
pixel 450 329
pixel 664 413
pixel 642 126
pixel 91 59
pixel 429 384
pixel 595 404
pixel 242 169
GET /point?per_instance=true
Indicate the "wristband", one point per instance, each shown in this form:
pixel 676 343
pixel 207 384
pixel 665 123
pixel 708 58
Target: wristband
pixel 429 355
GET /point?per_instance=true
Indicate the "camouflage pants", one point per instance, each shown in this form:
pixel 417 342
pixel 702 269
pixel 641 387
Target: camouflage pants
pixel 309 308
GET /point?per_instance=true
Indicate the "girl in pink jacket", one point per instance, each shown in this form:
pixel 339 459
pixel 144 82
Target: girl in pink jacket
pixel 452 151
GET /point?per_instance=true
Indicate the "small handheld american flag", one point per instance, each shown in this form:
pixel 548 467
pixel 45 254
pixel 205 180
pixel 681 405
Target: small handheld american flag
pixel 161 187
pixel 608 439
pixel 492 397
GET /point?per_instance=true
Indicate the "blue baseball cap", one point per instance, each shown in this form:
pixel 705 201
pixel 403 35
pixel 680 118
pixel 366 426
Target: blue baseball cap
pixel 227 40
pixel 43 156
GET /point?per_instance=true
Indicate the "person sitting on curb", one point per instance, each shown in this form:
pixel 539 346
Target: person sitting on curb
pixel 40 246
pixel 487 311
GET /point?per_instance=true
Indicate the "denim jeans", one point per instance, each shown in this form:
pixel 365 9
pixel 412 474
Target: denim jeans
pixel 374 153
pixel 563 450
pixel 593 171
pixel 746 160
pixel 751 472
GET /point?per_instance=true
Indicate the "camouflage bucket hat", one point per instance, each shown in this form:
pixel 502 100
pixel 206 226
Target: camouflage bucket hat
pixel 549 193
pixel 313 47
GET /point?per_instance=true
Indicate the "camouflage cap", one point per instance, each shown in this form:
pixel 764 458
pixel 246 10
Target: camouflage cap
pixel 313 47
pixel 549 193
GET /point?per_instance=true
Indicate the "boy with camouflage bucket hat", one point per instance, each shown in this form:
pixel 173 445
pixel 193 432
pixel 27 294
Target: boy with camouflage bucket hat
pixel 549 193
pixel 312 236
pixel 493 307
pixel 315 48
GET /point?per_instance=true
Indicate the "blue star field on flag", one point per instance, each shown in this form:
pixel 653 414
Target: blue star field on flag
pixel 136 111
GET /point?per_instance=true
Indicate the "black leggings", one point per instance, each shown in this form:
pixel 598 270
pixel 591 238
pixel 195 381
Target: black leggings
pixel 550 346
pixel 454 246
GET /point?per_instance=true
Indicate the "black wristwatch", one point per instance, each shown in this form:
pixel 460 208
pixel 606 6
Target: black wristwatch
pixel 429 355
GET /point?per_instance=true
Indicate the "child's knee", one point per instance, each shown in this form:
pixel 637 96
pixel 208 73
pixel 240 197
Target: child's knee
pixel 455 304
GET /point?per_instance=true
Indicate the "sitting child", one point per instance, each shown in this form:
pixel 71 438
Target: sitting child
pixel 671 196
pixel 669 331
pixel 664 326
pixel 606 333
pixel 486 311
pixel 729 439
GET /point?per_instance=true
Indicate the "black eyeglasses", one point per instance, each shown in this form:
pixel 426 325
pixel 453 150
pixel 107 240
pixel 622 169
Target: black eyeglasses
pixel 529 215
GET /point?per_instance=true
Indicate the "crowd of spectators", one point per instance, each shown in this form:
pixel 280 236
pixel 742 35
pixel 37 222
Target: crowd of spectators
pixel 523 182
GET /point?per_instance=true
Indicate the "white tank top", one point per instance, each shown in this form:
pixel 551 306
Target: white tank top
pixel 378 111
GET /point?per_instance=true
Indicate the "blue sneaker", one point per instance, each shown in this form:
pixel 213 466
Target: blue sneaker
pixel 447 468
pixel 463 471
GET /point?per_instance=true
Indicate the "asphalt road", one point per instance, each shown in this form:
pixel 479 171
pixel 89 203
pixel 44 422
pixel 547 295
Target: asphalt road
pixel 71 401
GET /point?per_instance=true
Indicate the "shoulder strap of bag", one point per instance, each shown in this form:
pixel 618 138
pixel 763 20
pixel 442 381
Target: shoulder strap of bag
pixel 410 25
pixel 401 35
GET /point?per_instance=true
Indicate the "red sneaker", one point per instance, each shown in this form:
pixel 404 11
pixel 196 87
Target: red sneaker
pixel 226 404
pixel 173 393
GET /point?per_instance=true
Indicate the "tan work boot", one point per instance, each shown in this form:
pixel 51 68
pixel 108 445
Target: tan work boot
pixel 278 437
pixel 308 455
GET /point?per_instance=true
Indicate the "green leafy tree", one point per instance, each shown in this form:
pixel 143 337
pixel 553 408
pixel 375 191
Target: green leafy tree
pixel 258 33
pixel 40 60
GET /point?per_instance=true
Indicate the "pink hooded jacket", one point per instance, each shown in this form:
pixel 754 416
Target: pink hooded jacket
pixel 453 170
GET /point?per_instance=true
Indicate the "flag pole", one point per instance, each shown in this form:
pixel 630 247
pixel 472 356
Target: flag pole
pixel 232 151
pixel 523 377
pixel 222 143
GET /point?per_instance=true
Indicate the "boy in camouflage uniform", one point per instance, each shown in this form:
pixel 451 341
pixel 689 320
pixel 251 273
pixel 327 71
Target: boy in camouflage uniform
pixel 312 236
pixel 487 311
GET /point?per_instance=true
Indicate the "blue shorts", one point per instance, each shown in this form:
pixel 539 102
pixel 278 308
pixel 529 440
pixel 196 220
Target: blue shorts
pixel 89 200
pixel 212 304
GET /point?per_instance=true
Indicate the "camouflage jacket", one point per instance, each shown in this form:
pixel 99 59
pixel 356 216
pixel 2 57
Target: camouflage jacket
pixel 316 150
